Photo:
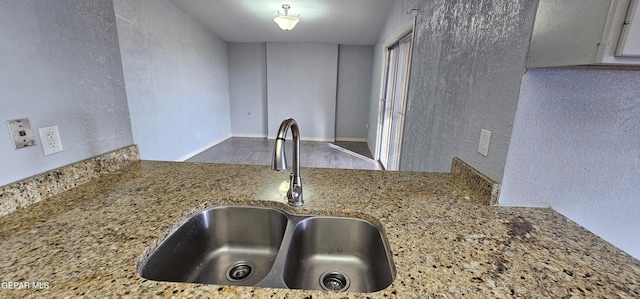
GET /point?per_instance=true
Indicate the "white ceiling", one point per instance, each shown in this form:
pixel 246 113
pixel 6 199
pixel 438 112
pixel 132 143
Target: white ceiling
pixel 353 22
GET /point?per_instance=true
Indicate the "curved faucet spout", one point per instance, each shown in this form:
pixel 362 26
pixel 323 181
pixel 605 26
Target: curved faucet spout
pixel 279 161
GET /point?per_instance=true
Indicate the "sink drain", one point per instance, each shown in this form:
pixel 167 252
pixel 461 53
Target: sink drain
pixel 334 281
pixel 239 271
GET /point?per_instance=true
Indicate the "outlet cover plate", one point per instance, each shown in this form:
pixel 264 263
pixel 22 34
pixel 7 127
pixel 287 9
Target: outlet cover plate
pixel 50 139
pixel 21 133
pixel 485 139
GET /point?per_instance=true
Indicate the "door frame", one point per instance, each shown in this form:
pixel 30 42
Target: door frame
pixel 399 36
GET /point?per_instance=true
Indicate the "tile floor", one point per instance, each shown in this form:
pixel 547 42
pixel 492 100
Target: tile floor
pixel 258 151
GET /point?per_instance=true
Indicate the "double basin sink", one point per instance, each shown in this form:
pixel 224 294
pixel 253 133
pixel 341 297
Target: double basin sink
pixel 265 247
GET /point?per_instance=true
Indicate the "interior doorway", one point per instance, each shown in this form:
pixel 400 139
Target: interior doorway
pixel 394 98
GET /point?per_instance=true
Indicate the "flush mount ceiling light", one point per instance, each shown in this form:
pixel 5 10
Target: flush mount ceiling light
pixel 286 22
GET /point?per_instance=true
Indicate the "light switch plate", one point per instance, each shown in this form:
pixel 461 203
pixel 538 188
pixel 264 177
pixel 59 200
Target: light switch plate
pixel 485 139
pixel 50 139
pixel 21 133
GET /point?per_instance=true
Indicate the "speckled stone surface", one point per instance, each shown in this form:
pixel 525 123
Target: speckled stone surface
pixel 87 241
pixel 483 187
pixel 21 194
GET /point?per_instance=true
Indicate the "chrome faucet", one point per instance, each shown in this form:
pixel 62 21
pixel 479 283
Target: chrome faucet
pixel 279 162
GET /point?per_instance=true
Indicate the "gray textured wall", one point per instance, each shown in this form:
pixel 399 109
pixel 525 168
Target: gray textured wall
pixel 355 64
pixel 468 61
pixel 176 78
pixel 248 89
pixel 301 83
pixel 60 65
pixel 576 148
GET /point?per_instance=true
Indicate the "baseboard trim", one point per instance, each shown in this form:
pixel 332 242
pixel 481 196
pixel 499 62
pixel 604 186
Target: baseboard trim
pixel 319 139
pixel 202 149
pixel 249 135
pixel 351 139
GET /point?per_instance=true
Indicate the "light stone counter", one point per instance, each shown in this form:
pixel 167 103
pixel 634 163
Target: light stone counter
pixel 445 243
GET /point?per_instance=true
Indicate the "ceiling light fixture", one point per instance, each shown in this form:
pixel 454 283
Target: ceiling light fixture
pixel 286 22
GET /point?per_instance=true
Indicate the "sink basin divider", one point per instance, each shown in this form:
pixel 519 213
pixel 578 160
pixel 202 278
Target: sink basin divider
pixel 275 277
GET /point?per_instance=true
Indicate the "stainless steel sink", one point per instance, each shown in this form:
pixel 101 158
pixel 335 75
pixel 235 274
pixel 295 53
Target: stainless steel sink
pixel 225 245
pixel 265 247
pixel 338 254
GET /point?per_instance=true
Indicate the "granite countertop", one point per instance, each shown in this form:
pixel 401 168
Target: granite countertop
pixel 444 242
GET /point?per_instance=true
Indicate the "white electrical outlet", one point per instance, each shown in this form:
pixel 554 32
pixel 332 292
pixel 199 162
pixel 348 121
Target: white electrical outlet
pixel 485 139
pixel 50 139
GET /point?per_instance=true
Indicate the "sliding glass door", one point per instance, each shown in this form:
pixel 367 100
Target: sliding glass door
pixel 394 101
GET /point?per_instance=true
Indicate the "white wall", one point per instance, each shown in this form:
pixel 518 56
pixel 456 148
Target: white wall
pixel 60 65
pixel 355 65
pixel 576 148
pixel 176 78
pixel 468 61
pixel 248 89
pixel 301 83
